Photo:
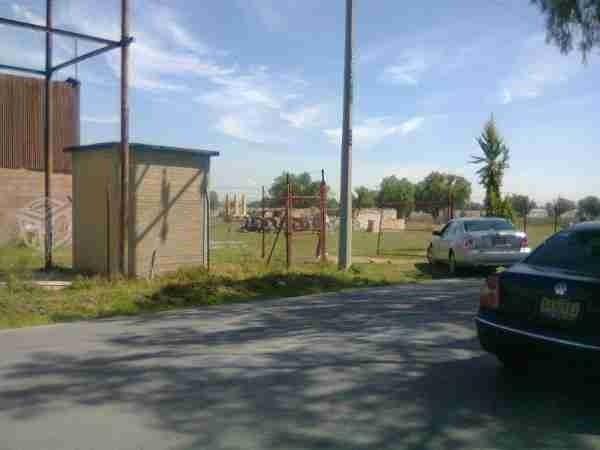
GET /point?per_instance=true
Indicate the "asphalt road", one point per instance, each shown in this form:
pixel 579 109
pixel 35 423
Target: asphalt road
pixel 387 368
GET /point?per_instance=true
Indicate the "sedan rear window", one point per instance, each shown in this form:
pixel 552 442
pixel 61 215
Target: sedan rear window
pixel 488 225
pixel 575 251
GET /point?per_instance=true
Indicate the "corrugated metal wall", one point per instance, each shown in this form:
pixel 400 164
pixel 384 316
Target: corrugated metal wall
pixel 22 127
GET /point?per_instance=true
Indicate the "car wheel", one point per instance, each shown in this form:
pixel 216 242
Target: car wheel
pixel 452 267
pixel 430 259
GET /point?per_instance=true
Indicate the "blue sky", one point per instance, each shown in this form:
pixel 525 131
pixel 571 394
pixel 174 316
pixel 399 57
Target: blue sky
pixel 261 81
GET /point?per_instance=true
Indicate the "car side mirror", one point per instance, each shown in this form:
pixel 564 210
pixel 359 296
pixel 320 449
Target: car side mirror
pixel 437 233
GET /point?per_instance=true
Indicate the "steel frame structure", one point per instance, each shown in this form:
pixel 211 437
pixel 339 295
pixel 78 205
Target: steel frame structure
pixel 47 73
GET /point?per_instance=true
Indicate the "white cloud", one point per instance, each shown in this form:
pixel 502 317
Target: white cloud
pixel 259 106
pixel 165 54
pixel 241 91
pixel 24 13
pixel 408 71
pixel 165 20
pixel 539 67
pixel 248 126
pixel 372 131
pixel 108 120
pixel 305 117
pixel 156 67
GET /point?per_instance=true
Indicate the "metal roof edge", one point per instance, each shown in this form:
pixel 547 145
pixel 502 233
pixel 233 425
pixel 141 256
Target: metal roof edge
pixel 136 146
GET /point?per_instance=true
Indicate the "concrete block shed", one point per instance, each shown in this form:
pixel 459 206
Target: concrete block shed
pixel 168 208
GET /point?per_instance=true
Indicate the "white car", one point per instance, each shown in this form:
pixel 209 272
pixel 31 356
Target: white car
pixel 484 242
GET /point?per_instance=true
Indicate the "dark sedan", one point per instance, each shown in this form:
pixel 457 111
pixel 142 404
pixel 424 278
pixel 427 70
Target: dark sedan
pixel 548 306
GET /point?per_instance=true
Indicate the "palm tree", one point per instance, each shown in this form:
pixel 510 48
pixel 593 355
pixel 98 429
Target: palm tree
pixel 494 162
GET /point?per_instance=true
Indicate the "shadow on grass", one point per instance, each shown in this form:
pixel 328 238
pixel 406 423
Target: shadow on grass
pixel 199 288
pixel 217 289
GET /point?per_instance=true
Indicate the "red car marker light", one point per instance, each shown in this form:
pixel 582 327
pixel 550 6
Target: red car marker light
pixel 490 293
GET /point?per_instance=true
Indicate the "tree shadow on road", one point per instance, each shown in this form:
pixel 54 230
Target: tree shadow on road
pixel 375 369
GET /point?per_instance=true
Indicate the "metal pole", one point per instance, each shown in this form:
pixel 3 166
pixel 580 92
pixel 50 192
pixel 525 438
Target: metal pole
pixel 123 216
pixel 345 244
pixel 288 226
pixel 57 31
pixel 48 143
pixel 380 232
pixel 108 237
pixel 263 223
pixel 323 218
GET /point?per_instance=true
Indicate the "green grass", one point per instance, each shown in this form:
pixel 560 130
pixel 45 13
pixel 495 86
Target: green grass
pixel 238 274
pixel 21 304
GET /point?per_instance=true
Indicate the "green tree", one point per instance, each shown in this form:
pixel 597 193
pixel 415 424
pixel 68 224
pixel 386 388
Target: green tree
pixel 571 23
pixel 560 206
pixel 500 207
pixel 332 203
pixel 398 194
pixel 494 163
pixel 522 204
pixel 302 184
pixel 434 192
pixel 364 198
pixel 589 207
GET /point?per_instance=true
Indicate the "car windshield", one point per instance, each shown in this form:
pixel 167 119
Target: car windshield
pixel 575 251
pixel 488 225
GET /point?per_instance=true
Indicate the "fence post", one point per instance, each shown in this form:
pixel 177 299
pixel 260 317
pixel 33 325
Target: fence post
pixel 288 227
pixel 380 232
pixel 323 201
pixel 108 232
pixel 263 224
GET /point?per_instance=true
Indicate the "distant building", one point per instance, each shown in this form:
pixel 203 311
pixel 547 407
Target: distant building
pixel 538 213
pixel 569 215
pixel 22 145
pixel 235 206
pixel 369 220
pixel 469 213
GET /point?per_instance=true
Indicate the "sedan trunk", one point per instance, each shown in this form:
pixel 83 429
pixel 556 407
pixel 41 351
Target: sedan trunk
pixel 498 240
pixel 550 298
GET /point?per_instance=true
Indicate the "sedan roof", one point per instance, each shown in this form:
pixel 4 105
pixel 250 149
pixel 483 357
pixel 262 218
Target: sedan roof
pixel 479 219
pixel 586 226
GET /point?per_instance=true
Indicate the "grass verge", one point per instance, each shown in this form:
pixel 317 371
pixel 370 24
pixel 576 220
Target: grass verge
pixel 22 304
pixel 238 275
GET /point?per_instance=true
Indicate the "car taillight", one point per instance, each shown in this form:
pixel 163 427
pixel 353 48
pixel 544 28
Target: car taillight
pixel 490 293
pixel 524 242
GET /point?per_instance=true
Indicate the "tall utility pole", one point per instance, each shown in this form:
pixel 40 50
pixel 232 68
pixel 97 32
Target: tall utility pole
pixel 48 144
pixel 345 248
pixel 124 213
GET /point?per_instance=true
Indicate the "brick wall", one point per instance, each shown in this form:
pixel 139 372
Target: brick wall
pixel 19 187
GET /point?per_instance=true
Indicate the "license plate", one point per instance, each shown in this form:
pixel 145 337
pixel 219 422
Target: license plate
pixel 560 309
pixel 501 242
